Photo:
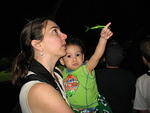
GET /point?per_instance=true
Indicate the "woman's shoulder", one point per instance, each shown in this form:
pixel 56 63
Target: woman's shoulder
pixel 34 87
pixel 42 89
pixel 45 97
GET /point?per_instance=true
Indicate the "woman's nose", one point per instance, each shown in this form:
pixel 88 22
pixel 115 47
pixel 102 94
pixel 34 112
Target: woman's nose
pixel 64 36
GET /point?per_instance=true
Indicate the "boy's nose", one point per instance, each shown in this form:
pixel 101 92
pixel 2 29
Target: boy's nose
pixel 74 58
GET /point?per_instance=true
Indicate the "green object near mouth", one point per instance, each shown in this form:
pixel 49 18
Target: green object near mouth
pixel 94 27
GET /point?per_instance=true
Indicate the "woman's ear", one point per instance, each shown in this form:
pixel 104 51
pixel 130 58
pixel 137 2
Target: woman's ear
pixel 36 44
pixel 61 61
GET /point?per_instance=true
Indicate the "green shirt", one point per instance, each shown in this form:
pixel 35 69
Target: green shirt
pixel 81 88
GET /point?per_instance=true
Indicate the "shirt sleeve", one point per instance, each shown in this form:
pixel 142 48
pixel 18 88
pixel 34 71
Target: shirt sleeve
pixel 139 102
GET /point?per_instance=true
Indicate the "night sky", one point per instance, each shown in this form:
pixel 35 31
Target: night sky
pixel 129 18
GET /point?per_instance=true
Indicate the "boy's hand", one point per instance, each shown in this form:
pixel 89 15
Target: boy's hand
pixel 106 32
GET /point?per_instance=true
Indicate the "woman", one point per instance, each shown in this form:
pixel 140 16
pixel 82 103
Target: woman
pixel 42 44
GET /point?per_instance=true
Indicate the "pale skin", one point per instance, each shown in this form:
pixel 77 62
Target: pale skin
pixel 42 97
pixel 75 58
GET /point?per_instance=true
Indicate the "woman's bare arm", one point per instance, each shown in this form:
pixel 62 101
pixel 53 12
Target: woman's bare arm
pixel 43 98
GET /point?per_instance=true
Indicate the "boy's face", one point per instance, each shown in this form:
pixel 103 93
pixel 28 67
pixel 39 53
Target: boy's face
pixel 74 57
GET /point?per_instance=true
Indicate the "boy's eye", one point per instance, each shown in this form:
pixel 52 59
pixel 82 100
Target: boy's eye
pixel 68 56
pixel 78 54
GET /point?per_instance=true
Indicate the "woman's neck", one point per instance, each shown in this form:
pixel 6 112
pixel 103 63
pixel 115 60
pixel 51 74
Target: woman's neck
pixel 47 63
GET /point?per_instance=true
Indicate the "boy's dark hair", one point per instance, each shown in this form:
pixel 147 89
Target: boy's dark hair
pixel 145 48
pixel 75 40
pixel 114 54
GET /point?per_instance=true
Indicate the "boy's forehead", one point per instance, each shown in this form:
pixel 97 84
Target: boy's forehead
pixel 73 47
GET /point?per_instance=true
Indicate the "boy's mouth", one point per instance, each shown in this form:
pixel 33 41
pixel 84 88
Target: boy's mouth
pixel 75 64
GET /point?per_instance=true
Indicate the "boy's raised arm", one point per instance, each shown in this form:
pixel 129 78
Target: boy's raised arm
pixel 105 34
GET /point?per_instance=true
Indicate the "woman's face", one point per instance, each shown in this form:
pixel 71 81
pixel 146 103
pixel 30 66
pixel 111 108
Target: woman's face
pixel 53 43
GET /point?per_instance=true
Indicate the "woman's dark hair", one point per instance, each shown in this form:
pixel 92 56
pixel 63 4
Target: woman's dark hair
pixel 31 31
pixel 74 40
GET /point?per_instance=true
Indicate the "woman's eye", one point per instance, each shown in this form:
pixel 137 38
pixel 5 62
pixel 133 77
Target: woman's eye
pixel 55 30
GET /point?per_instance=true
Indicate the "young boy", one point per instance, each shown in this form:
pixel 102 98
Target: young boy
pixel 79 76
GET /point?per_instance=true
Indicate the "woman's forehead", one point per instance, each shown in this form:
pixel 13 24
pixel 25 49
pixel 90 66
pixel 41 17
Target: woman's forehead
pixel 51 23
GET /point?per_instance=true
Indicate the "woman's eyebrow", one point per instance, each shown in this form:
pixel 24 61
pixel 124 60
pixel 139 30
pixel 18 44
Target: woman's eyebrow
pixel 54 27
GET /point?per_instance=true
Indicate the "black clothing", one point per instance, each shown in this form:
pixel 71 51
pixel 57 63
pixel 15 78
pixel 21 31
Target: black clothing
pixel 118 87
pixel 41 74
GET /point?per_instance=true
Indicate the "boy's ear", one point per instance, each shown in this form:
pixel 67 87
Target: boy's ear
pixel 36 44
pixel 83 57
pixel 61 61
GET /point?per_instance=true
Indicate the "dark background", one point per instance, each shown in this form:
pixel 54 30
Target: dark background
pixel 129 18
pixel 130 25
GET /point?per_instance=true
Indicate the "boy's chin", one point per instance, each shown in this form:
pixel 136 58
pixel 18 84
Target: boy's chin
pixel 74 68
